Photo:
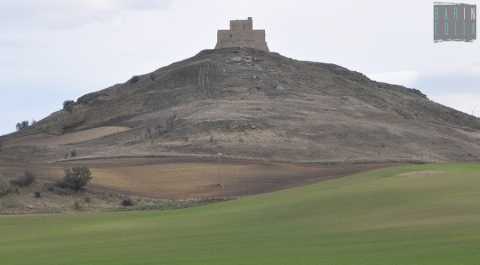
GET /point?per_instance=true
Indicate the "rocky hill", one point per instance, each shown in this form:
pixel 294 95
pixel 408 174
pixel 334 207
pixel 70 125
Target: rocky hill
pixel 251 104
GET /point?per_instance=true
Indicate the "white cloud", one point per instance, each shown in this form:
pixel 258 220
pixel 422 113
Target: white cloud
pixel 102 42
pixel 64 14
pixel 405 78
pixel 456 87
pixel 466 102
pixel 474 68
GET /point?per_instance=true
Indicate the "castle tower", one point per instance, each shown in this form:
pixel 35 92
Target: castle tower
pixel 242 34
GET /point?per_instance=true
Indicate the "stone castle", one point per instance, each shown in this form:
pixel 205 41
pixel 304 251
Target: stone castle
pixel 242 34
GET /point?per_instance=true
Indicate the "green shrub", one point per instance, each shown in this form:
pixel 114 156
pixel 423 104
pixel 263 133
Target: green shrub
pixel 24 181
pixel 68 105
pixel 73 153
pixel 77 206
pixel 133 80
pixel 4 188
pixel 76 178
pixel 127 202
pixel 23 125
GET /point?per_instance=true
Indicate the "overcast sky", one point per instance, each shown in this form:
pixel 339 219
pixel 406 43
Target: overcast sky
pixel 53 50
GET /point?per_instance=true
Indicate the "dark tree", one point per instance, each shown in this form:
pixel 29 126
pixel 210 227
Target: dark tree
pixel 127 202
pixel 26 180
pixel 73 153
pixel 133 80
pixel 23 125
pixel 76 178
pixel 4 188
pixel 170 122
pixel 68 105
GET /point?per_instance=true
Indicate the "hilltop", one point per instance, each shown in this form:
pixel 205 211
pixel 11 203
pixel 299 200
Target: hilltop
pixel 251 104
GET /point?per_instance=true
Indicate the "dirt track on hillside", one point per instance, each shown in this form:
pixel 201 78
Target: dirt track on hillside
pixel 68 138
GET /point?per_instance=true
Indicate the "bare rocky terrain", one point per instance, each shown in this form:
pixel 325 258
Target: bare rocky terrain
pixel 249 104
pixel 245 105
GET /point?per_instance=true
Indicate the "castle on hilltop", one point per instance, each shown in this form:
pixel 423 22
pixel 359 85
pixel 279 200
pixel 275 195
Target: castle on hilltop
pixel 242 34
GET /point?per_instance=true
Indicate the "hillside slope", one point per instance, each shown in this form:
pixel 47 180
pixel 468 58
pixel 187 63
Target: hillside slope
pixel 251 104
pixel 424 215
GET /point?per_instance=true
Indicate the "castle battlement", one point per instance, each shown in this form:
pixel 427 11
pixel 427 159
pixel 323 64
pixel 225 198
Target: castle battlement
pixel 242 34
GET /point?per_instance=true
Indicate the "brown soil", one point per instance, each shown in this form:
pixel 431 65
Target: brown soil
pixel 160 183
pixel 68 138
pixel 189 178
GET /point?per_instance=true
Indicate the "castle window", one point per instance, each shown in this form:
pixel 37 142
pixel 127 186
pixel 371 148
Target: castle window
pixel 436 13
pixel 473 13
pixel 446 28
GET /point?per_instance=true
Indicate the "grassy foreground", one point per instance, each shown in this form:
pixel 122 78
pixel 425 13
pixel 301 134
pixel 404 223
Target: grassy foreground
pixel 412 215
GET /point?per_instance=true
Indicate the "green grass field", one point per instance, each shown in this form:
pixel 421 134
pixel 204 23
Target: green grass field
pixel 412 215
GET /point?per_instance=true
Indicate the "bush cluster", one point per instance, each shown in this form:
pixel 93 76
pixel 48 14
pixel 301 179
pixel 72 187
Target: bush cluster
pixel 23 125
pixel 4 188
pixel 76 178
pixel 68 105
pixel 71 154
pixel 24 181
pixel 127 202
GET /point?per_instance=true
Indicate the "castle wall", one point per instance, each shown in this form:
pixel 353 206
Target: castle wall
pixel 239 25
pixel 242 34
